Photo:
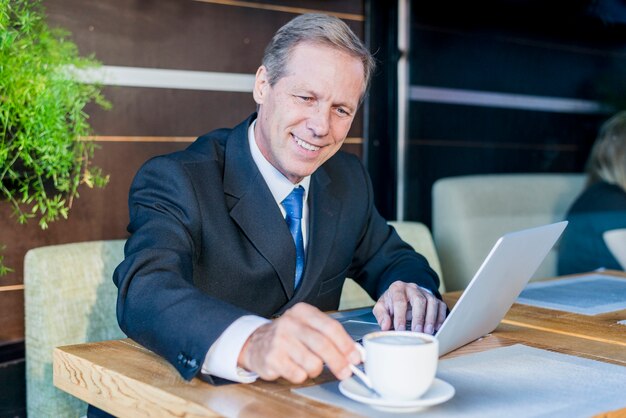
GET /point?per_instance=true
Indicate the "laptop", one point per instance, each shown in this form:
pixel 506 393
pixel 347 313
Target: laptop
pixel 498 282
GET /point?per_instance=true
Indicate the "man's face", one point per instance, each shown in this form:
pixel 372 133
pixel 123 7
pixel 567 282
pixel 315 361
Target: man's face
pixel 304 118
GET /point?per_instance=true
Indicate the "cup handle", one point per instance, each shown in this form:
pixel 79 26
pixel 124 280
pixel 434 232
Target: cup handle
pixel 358 371
pixel 361 351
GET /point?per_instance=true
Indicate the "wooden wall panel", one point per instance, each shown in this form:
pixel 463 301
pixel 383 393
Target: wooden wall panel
pixel 12 305
pixel 97 214
pixel 174 34
pixel 171 112
pixel 183 35
pixel 168 112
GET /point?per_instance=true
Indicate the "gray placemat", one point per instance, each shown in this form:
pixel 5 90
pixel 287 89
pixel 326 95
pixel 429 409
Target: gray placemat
pixel 511 381
pixel 587 295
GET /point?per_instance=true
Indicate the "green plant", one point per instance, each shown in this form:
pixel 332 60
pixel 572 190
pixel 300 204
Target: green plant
pixel 43 158
pixel 3 269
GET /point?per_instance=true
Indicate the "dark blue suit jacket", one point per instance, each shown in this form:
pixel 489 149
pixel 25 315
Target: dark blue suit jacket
pixel 208 244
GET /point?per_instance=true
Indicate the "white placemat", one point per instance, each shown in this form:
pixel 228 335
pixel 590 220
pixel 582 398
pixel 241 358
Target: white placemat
pixel 511 381
pixel 588 295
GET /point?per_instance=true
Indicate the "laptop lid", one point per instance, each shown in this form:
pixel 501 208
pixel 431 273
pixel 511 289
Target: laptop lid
pixel 498 282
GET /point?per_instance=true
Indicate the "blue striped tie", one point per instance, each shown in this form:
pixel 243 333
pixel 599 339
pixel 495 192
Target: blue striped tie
pixel 293 207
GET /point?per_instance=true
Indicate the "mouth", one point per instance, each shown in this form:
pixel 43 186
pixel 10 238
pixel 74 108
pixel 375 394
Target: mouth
pixel 303 144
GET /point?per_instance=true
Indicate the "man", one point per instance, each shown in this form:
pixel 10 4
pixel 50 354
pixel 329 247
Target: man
pixel 265 221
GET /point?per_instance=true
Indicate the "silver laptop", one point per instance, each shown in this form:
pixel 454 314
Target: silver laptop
pixel 498 282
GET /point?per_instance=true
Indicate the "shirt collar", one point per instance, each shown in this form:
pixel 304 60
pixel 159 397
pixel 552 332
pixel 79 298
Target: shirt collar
pixel 279 185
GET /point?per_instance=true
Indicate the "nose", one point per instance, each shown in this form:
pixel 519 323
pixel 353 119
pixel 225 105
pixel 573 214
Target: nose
pixel 319 121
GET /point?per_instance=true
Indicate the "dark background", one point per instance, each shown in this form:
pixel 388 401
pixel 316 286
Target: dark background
pixel 544 49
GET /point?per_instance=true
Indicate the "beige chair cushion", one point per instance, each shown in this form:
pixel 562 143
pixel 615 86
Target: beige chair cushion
pixel 616 242
pixel 471 212
pixel 69 298
pixel 415 234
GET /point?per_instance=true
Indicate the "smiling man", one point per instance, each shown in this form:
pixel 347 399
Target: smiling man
pixel 304 117
pixel 266 220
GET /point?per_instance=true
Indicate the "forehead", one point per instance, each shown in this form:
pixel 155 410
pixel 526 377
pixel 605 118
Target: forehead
pixel 320 66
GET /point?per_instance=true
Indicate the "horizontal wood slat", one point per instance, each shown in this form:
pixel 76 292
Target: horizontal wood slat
pixel 287 9
pixel 10 288
pixel 563 332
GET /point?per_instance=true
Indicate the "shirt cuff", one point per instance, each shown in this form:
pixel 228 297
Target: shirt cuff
pixel 221 360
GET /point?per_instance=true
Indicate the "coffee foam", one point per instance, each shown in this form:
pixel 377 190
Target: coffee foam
pixel 399 340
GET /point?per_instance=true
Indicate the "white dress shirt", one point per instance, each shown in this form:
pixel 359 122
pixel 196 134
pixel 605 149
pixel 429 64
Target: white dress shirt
pixel 221 360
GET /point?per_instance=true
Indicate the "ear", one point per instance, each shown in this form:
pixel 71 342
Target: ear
pixel 261 85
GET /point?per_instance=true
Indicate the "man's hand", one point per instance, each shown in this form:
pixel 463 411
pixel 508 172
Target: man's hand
pixel 404 301
pixel 297 345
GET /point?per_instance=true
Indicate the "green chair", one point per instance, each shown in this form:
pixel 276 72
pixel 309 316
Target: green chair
pixel 415 234
pixel 69 298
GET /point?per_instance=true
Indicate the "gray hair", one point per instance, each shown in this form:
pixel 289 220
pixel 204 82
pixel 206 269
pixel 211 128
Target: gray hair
pixel 607 161
pixel 320 29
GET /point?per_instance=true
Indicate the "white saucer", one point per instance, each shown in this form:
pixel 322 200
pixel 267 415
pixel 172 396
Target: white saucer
pixel 439 392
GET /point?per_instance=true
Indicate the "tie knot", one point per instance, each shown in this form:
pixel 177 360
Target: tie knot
pixel 293 203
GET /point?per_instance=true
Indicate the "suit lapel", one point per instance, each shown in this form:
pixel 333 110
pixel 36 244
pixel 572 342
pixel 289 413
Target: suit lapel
pixel 253 208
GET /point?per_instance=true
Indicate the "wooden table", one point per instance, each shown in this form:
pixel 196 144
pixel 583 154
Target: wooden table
pixel 128 380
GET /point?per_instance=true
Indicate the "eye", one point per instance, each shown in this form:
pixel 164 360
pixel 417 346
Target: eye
pixel 343 112
pixel 305 99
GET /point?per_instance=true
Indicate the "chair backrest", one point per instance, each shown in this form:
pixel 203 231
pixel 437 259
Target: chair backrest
pixel 471 212
pixel 418 236
pixel 415 234
pixel 69 298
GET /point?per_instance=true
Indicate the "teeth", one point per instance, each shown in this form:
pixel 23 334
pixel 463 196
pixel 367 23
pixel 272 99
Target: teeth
pixel 306 145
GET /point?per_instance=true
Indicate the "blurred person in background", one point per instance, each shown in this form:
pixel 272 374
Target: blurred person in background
pixel 596 235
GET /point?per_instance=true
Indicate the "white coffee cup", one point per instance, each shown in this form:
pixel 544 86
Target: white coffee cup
pixel 399 365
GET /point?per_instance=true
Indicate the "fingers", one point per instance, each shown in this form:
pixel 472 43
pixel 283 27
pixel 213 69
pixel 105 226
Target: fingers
pixel 391 308
pixel 327 341
pixel 304 365
pixel 431 314
pixel 407 300
pixel 297 345
pixel 419 301
pixel 382 313
pixel 441 317
pixel 397 292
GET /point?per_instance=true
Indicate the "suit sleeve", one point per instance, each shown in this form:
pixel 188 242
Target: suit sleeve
pixel 382 257
pixel 158 305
